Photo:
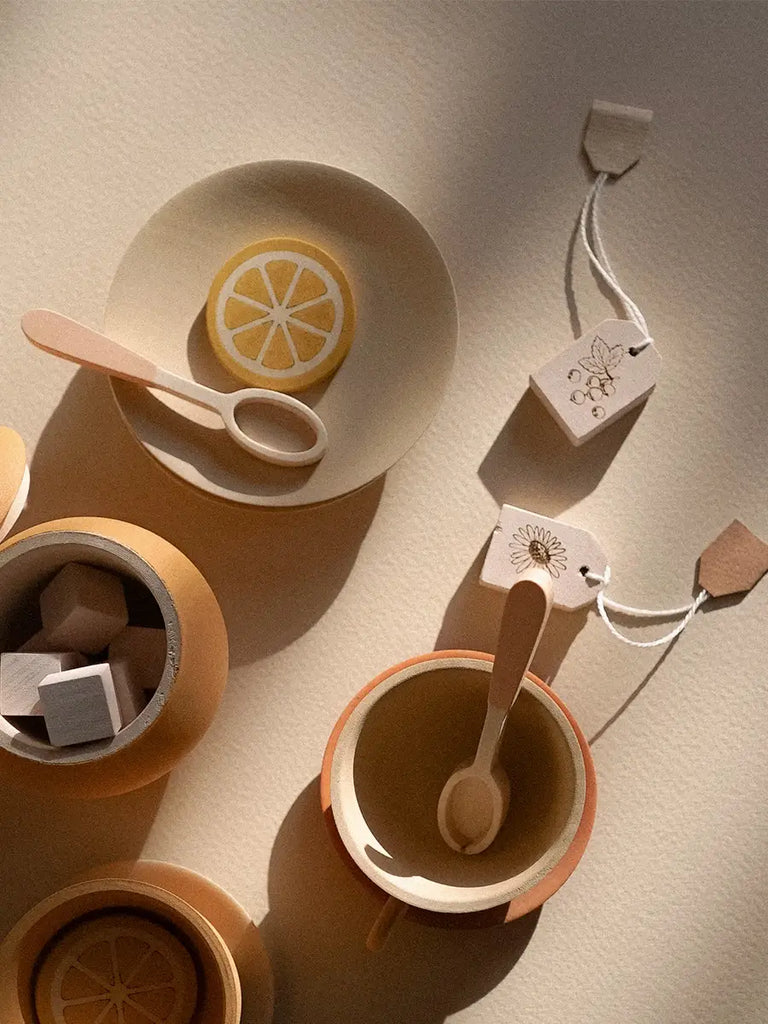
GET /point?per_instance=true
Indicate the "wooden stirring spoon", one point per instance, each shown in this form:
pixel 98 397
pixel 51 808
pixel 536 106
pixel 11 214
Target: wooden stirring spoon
pixel 70 340
pixel 475 799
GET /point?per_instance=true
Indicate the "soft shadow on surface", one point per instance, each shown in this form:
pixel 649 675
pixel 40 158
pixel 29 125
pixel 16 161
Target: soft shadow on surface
pixel 274 571
pixel 635 693
pixel 473 617
pixel 532 463
pixel 320 915
pixel 46 840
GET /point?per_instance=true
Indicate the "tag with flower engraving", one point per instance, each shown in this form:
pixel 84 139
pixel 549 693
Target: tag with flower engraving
pixel 599 378
pixel 523 539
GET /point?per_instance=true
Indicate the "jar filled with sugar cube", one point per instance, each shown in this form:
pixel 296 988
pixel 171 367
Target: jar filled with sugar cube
pixel 113 648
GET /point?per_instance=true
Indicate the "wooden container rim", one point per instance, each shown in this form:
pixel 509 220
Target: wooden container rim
pixel 139 568
pixel 21 949
pixel 182 714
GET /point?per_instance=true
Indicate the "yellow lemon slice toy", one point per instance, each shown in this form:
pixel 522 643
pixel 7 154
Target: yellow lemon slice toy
pixel 280 314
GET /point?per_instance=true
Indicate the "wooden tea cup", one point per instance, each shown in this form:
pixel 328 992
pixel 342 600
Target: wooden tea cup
pixel 387 760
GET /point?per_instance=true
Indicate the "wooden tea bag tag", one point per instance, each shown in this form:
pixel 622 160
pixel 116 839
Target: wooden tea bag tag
pixel 615 136
pixel 523 539
pixel 733 562
pixel 603 375
pixel 614 366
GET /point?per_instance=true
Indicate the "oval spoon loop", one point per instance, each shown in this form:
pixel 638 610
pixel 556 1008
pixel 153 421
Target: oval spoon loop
pixel 299 415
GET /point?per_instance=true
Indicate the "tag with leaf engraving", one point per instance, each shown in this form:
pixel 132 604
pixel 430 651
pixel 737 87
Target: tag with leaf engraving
pixel 599 378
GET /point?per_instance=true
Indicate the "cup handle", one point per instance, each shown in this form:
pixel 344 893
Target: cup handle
pixel 388 917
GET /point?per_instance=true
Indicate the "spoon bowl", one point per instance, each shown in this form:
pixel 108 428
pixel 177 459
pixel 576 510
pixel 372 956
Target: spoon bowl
pixel 475 804
pixel 263 421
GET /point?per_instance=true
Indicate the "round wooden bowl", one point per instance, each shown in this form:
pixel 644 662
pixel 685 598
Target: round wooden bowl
pixel 389 756
pixel 61 962
pixel 195 669
pixel 378 402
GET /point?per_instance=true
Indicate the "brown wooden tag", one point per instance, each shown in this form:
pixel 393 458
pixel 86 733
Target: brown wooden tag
pixel 734 562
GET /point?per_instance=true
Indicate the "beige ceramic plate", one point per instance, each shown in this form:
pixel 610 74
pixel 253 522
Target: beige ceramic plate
pixel 383 395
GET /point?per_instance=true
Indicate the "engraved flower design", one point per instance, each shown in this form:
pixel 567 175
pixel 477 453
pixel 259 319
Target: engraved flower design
pixel 534 545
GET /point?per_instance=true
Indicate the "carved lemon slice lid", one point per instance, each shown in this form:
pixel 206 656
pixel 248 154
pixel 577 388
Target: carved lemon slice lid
pixel 14 479
pixel 118 968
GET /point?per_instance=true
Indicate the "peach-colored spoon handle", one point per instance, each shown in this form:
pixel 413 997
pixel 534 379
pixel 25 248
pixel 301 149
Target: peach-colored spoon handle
pixel 522 622
pixel 64 337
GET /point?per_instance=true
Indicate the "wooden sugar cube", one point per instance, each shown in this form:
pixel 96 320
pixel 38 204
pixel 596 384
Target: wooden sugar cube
pixel 38 644
pixel 22 673
pixel 137 659
pixel 80 705
pixel 139 653
pixel 83 608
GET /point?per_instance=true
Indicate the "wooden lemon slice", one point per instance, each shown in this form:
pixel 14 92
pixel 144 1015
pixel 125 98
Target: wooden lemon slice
pixel 116 969
pixel 280 314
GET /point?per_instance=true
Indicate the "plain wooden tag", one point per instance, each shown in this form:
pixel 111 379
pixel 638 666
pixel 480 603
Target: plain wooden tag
pixel 598 379
pixel 733 562
pixel 615 136
pixel 523 539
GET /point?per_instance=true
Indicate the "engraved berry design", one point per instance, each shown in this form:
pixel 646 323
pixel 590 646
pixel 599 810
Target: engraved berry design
pixel 600 366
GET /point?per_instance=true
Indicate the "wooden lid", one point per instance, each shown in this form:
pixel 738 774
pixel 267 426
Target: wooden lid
pixel 117 968
pixel 14 479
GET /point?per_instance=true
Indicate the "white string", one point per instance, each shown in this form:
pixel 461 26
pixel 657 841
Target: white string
pixel 589 228
pixel 598 257
pixel 603 603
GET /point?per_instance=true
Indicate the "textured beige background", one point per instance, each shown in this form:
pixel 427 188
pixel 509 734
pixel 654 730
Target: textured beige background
pixel 471 115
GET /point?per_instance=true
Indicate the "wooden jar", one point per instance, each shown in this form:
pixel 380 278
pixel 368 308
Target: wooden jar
pixel 195 669
pixel 391 752
pixel 204 984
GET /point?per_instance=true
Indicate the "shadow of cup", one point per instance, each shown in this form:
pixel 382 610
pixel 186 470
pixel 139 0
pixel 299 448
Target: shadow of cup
pixel 319 915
